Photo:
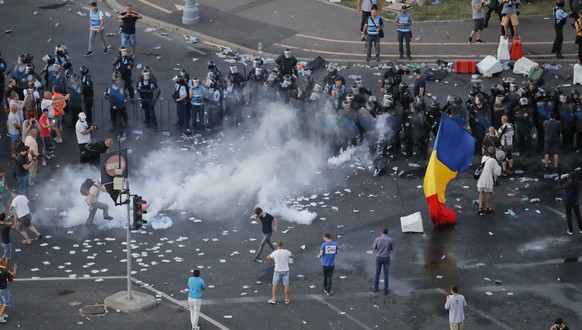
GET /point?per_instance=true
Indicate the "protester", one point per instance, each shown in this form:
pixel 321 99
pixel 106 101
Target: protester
pixel 383 247
pixel 455 304
pixel 282 258
pixel 559 323
pixel 195 287
pixel 83 131
pixel 505 134
pixel 491 170
pixel 551 141
pixel 23 217
pixel 419 84
pixel 329 249
pixel 128 19
pixel 33 155
pixel 5 197
pixel 94 204
pixel 23 165
pixel 578 40
pixel 570 182
pixel 5 294
pixel 5 228
pixel 478 19
pixel 268 226
pixel 509 16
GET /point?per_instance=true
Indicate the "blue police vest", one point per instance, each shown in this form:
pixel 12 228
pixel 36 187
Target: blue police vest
pixel 117 96
pixel 373 29
pixel 404 19
pixel 197 95
pixel 95 20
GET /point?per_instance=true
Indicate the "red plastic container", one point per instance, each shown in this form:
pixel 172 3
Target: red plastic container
pixel 465 67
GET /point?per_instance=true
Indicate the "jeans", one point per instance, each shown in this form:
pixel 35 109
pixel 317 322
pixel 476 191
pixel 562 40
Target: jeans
pixel 128 40
pixel 404 36
pixel 327 275
pixel 572 205
pixel 23 185
pixel 382 262
pixel 92 34
pixel 266 240
pixel 194 305
pixel 373 39
pixel 96 206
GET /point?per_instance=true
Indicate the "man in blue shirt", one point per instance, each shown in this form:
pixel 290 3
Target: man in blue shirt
pixel 383 246
pixel 329 249
pixel 196 286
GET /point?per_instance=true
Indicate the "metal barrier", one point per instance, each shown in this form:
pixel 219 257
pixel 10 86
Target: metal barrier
pixel 165 111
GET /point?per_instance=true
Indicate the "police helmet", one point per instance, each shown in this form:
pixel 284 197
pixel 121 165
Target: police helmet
pixel 370 105
pixel 195 82
pixel 563 98
pixel 434 105
pixel 507 81
pixel 286 84
pixel 256 63
pixel 520 92
pixel 288 53
pixel 28 58
pixel 499 99
pixel 419 100
pixel 403 86
pixel 117 75
pixel 387 102
pixel 183 73
pixel 287 77
pixel 272 77
pixel 495 88
pixel 478 86
pixel 83 70
pixel 355 90
pixel 67 65
pixel 314 97
pixel 558 90
pixel 512 87
pixel 230 78
pixel 541 93
pixel 359 82
pixel 389 81
pixel 21 59
pixel 210 82
pixel 350 97
pixel 414 107
pixel 523 101
pixel 29 68
pixel 331 69
pixel 473 92
pixel 456 100
pixel 346 104
pixel 258 71
pixel 308 80
pixel 233 69
pixel 479 99
pixel 372 98
pixel 560 3
pixel 531 85
pixel 317 88
pixel 211 65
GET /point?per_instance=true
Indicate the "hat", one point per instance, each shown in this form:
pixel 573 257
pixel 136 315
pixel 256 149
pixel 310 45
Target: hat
pixel 404 7
pixel 417 71
pixel 82 116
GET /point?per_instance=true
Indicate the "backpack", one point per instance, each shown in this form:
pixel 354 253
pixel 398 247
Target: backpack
pixel 86 186
pixel 30 102
pixel 479 170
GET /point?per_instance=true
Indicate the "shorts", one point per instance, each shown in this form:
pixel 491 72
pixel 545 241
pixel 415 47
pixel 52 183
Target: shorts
pixel 280 276
pixel 128 40
pixel 5 298
pixel 23 222
pixel 479 23
pixel 457 326
pixel 485 189
pixel 508 152
pixel 512 17
pixel 551 147
pixel 46 142
pixel 7 250
pixel 14 137
pixel 58 121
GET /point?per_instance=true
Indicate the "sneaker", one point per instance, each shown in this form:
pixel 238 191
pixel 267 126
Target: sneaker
pixel 106 49
pixel 470 40
pixel 479 41
pixel 579 231
pixel 108 217
pixel 272 302
pixel 2 320
pixel 5 316
pixel 330 293
pixel 325 292
pixel 89 53
pixel 569 232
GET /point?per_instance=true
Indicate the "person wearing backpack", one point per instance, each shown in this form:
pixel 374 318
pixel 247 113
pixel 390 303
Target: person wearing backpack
pixel 491 170
pixel 94 204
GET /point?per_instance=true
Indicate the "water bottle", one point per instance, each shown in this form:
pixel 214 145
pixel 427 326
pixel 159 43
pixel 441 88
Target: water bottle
pixel 260 48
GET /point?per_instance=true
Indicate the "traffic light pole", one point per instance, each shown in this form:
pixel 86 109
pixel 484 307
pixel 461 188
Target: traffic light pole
pixel 129 292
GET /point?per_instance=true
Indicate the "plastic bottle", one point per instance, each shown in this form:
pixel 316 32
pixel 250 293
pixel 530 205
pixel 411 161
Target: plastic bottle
pixel 260 48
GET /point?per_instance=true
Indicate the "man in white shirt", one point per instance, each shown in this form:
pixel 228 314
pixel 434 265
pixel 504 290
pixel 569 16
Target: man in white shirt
pixel 455 304
pixel 20 205
pixel 282 257
pixel 83 131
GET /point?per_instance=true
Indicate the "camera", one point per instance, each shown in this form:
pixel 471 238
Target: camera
pixel 95 126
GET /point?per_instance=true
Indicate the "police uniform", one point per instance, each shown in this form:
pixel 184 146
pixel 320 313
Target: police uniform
pixel 146 89
pixel 88 95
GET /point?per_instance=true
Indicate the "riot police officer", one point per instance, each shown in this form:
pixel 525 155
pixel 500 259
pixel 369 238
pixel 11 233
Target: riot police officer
pixel 124 64
pixel 523 116
pixel 560 17
pixel 331 75
pixel 148 93
pixel 117 99
pixel 198 95
pixel 88 92
pixel 286 63
pixel 61 54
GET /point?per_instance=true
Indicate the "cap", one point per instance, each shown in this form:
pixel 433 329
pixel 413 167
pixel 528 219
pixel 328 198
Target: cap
pixel 82 115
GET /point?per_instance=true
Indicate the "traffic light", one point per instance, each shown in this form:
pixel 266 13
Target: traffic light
pixel 138 212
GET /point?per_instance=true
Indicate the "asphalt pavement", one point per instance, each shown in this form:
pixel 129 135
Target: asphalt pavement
pixel 314 27
pixel 529 254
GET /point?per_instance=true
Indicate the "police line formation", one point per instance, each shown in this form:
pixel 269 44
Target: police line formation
pixel 399 116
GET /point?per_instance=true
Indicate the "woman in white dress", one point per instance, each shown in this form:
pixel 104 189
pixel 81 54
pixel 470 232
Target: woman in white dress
pixel 491 170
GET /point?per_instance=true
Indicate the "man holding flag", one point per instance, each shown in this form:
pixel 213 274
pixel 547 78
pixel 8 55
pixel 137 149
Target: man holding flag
pixel 452 153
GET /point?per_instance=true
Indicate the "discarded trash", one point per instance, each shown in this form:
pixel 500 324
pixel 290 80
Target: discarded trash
pixel 8 31
pixel 412 223
pixel 510 212
pixel 524 200
pixel 534 200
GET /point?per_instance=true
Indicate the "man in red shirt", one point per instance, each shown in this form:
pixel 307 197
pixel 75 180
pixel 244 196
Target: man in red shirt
pixel 45 134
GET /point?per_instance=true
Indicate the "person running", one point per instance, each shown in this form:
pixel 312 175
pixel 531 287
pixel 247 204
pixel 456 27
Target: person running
pixel 268 226
pixel 20 205
pixel 5 295
pixel 282 257
pixel 329 249
pixel 478 19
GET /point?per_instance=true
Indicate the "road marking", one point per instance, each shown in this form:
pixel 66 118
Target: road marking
pixel 420 43
pixel 197 50
pixel 145 2
pixel 183 304
pixel 32 279
pixel 339 311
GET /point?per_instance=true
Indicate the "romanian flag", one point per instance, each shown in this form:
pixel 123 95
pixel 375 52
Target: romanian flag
pixel 452 153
